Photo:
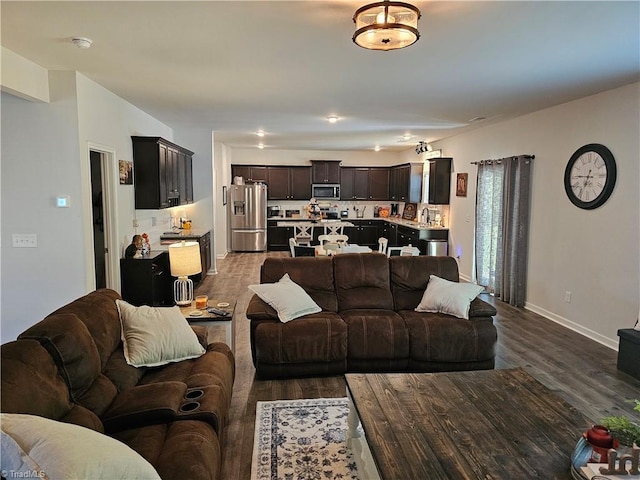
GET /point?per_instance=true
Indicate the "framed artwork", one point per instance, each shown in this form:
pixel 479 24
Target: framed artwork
pixel 461 184
pixel 126 172
pixel 224 195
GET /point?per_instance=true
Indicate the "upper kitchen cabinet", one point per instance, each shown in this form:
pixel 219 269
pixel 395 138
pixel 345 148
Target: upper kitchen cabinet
pixel 378 183
pixel 162 173
pixel 439 183
pixel 364 183
pixel 249 173
pixel 354 183
pixel 289 183
pixel 325 171
pixel 405 183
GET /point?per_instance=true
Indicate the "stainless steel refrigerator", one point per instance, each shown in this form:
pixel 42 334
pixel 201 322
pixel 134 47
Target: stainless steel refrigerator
pixel 248 217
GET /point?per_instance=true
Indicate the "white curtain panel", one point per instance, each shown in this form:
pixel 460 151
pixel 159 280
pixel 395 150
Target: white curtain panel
pixel 489 224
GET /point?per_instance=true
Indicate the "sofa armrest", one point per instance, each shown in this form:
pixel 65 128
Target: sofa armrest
pixel 480 308
pixel 144 405
pixel 260 310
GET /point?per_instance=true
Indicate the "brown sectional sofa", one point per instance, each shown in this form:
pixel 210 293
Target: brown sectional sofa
pixel 71 367
pixel 368 322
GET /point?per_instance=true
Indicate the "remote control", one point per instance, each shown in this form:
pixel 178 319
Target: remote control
pixel 215 311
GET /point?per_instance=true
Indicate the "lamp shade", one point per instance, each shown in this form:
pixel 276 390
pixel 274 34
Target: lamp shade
pixel 386 25
pixel 184 258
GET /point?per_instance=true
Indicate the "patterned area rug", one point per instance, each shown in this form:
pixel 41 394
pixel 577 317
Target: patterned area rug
pixel 302 440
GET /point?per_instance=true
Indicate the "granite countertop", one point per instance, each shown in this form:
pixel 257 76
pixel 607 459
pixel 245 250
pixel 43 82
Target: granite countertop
pixel 184 234
pixel 397 221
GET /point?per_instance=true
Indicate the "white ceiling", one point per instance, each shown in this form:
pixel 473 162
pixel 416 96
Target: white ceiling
pixel 284 66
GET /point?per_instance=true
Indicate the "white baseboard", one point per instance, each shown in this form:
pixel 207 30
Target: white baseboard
pixel 464 278
pixel 582 330
pixel 222 255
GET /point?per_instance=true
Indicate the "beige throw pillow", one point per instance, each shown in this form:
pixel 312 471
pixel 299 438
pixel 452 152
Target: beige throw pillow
pixel 38 447
pixel 452 298
pixel 154 336
pixel 287 298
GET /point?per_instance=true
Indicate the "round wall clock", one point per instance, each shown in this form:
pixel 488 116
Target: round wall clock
pixel 590 176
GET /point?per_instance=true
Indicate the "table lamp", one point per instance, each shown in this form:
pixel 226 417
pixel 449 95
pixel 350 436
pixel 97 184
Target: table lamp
pixel 184 258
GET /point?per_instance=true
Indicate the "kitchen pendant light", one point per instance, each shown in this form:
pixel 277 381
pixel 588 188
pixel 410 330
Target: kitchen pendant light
pixel 386 25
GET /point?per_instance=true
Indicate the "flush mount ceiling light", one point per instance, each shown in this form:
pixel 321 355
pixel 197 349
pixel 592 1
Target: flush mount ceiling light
pixel 82 42
pixel 260 133
pixel 333 118
pixel 386 25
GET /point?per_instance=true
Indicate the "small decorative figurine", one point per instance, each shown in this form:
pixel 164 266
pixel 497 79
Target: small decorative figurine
pixel 146 246
pixel 313 209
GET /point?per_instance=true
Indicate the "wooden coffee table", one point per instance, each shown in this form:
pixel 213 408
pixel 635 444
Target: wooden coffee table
pixel 209 319
pixel 497 424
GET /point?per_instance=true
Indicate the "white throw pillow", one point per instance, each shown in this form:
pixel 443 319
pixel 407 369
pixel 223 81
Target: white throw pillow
pixel 154 336
pixel 287 298
pixel 38 447
pixel 452 298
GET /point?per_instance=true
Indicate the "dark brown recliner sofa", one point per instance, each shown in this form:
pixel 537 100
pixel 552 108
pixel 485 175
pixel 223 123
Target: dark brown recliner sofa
pixel 368 322
pixel 71 367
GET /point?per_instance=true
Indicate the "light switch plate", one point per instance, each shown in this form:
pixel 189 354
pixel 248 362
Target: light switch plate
pixel 24 240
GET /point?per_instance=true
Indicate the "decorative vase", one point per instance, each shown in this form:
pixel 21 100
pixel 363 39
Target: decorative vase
pixel 601 440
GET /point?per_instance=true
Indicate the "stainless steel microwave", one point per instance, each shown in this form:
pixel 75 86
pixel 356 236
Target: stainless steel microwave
pixel 324 191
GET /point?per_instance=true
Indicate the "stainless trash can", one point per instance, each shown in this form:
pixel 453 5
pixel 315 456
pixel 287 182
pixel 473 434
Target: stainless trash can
pixel 437 248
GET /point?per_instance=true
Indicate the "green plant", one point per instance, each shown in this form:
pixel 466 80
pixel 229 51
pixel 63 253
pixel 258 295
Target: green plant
pixel 623 429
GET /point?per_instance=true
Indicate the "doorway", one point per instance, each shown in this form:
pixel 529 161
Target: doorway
pixel 97 219
pixel 100 217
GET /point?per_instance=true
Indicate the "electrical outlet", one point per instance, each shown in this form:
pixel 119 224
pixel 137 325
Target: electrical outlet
pixel 135 223
pixel 467 219
pixel 24 240
pixel 567 296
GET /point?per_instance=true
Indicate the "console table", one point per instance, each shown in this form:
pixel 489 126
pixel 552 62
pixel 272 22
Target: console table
pixel 498 424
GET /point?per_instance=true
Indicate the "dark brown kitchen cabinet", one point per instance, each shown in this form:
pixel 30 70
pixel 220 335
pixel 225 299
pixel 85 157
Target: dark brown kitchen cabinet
pixel 405 183
pixel 378 183
pixel 439 183
pixel 325 171
pixel 147 280
pixel 249 173
pixel 364 183
pixel 354 183
pixel 278 237
pixel 162 173
pixel 289 183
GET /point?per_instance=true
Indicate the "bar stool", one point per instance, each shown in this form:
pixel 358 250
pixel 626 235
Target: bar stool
pixel 303 233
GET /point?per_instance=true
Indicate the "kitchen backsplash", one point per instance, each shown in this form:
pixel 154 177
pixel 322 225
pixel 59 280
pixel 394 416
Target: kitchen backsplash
pixel 441 211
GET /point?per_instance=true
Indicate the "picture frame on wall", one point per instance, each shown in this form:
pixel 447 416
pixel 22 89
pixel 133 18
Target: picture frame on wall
pixel 126 172
pixel 462 181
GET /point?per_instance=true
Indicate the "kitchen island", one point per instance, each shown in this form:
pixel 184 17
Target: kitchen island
pixel 362 231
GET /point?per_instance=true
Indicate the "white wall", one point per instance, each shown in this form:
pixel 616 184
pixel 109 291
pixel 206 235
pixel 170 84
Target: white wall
pixel 593 254
pixel 40 160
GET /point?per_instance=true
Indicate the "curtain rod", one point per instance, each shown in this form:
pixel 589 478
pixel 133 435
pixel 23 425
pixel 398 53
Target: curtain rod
pixel 482 162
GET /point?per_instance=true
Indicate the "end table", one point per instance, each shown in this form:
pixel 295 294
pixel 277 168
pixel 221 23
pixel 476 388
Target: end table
pixel 207 319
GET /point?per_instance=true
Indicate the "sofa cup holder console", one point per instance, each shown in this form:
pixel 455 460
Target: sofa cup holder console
pixel 189 407
pixel 193 394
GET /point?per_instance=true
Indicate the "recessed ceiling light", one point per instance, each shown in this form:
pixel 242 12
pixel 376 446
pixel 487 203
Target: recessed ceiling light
pixel 82 42
pixel 333 118
pixel 406 137
pixel 261 146
pixel 376 148
pixel 260 133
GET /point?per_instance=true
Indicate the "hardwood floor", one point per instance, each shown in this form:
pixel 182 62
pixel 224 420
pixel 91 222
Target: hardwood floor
pixel 581 371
